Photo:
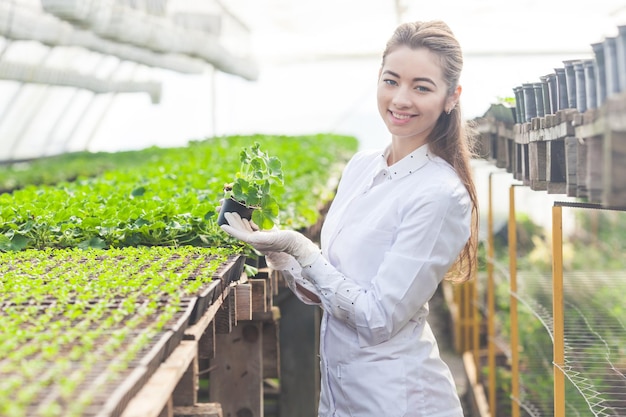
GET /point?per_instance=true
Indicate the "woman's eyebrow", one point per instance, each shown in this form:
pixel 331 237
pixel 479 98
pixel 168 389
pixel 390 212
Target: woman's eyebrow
pixel 424 79
pixel 416 79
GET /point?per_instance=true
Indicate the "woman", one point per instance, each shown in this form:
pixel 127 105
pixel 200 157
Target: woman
pixel 401 220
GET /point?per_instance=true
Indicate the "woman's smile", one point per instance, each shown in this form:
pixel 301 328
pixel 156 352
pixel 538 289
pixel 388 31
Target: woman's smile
pixel 401 117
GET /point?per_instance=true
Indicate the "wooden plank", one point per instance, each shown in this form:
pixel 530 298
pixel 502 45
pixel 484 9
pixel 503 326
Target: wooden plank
pixel 555 167
pixel 154 395
pixel 522 135
pixel 499 149
pixel 571 156
pixel 485 148
pixel 259 294
pixel 510 155
pixel 199 410
pixel 537 165
pixel 168 410
pixel 614 183
pixel 274 287
pixel 195 332
pixel 479 403
pixel 225 316
pixel 518 172
pixel 525 164
pixel 206 345
pixel 243 302
pixel 581 168
pixel 236 381
pixel 594 168
pixel 271 346
pixel 596 127
pixel 186 391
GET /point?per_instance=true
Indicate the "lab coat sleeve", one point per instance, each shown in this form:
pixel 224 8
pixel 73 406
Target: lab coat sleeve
pixel 429 239
pixel 291 271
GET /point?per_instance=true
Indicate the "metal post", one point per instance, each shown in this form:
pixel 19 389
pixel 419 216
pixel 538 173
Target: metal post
pixel 467 316
pixel 515 409
pixel 491 309
pixel 458 322
pixel 557 310
pixel 476 322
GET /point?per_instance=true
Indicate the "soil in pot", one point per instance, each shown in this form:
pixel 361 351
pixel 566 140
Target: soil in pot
pixel 229 206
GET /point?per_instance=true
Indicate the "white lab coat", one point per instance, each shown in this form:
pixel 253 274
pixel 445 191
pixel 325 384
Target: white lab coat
pixel 388 239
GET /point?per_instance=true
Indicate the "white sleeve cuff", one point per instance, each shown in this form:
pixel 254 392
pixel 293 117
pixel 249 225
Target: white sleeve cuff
pixel 337 293
pixel 291 272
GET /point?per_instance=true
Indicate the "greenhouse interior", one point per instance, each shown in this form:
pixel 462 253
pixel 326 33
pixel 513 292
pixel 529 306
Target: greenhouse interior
pixel 126 126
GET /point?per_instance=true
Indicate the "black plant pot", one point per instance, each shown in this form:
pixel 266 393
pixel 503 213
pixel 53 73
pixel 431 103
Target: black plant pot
pixel 229 206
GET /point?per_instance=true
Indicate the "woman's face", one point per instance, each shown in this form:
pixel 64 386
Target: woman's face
pixel 412 93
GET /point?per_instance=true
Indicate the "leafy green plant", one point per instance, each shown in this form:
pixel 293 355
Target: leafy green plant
pixel 168 197
pixel 252 186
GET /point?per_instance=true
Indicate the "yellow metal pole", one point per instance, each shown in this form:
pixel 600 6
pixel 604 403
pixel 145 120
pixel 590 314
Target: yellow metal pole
pixel 467 316
pixel 476 322
pixel 491 308
pixel 557 311
pixel 458 302
pixel 515 409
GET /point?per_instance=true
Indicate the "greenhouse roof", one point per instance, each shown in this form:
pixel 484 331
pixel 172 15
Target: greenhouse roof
pixel 120 74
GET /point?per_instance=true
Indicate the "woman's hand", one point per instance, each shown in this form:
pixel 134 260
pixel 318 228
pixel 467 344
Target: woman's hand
pixel 274 240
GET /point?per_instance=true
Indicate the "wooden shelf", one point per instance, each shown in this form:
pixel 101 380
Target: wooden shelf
pixel 580 155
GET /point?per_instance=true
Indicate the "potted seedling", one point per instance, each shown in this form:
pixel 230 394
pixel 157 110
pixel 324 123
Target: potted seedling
pixel 250 193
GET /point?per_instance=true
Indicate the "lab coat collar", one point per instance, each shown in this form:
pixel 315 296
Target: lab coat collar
pixel 407 165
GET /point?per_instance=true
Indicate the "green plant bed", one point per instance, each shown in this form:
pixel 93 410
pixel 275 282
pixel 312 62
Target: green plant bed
pixel 60 371
pixel 169 197
pixel 67 167
pixel 76 324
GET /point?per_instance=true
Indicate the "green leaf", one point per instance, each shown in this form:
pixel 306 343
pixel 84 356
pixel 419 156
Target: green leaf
pixel 141 222
pixel 15 243
pixel 93 243
pixel 138 192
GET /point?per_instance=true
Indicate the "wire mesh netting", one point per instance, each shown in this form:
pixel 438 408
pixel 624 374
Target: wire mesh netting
pixel 595 336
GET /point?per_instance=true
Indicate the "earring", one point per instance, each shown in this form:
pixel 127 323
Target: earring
pixel 449 111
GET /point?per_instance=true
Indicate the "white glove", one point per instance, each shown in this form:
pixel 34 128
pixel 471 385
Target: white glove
pixel 288 241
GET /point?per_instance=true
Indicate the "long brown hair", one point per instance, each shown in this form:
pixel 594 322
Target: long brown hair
pixel 452 138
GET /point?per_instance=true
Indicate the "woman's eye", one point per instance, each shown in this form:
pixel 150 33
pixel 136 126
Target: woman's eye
pixel 422 89
pixel 390 82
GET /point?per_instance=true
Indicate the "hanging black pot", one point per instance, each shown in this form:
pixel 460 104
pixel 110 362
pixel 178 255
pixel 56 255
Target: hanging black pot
pixel 530 106
pixel 545 95
pixel 610 62
pixel 229 206
pixel 590 83
pixel 554 93
pixel 570 81
pixel 620 45
pixel 600 70
pixel 519 104
pixel 581 88
pixel 561 87
pixel 539 99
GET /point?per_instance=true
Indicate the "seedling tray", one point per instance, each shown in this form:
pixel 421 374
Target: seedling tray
pixel 84 330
